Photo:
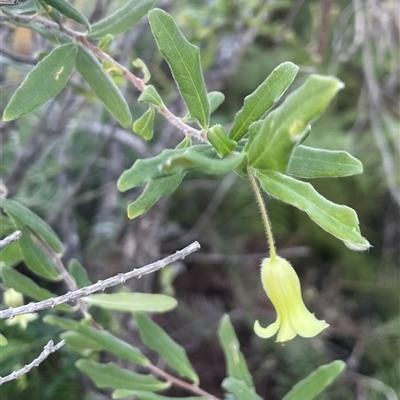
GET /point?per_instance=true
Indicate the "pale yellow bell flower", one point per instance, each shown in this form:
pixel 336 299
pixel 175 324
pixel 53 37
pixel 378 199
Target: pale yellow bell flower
pixel 282 286
pixel 12 298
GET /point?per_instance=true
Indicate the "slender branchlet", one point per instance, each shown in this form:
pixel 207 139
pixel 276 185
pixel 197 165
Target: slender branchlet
pixel 178 382
pixel 264 215
pixel 48 349
pixel 9 239
pixel 136 81
pixel 100 285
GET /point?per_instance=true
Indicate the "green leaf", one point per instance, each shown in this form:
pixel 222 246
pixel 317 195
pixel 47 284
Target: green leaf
pixel 207 162
pixel 111 376
pixel 34 222
pixel 215 99
pixel 144 125
pixel 310 387
pixel 78 273
pixel 43 82
pixel 155 189
pixel 308 162
pixel 139 63
pixel 235 361
pixel 102 338
pixel 185 143
pixel 14 348
pixel 123 19
pixel 240 389
pixel 150 168
pixel 11 254
pixel 340 221
pixel 26 286
pixel 263 98
pixel 273 140
pixel 217 137
pixel 50 11
pixel 150 95
pixel 34 255
pixel 27 7
pixel 69 11
pixel 172 353
pixel 184 61
pixel 3 341
pixel 141 395
pixel 131 302
pixel 80 343
pixel 103 86
pixel 106 41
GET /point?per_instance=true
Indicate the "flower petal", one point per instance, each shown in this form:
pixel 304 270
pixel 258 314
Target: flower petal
pixel 267 332
pixel 306 324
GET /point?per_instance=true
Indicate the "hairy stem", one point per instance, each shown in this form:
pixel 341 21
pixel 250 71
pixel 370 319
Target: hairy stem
pixel 136 81
pixel 178 382
pixel 264 215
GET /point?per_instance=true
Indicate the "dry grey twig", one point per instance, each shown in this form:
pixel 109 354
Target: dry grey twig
pixel 48 349
pixel 100 285
pixel 9 239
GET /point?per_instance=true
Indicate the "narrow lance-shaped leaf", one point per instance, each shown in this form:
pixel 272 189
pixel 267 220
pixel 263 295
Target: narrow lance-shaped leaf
pixel 80 343
pixel 338 220
pixel 34 222
pixel 26 286
pixel 103 86
pixel 111 376
pixel 102 338
pixel 308 162
pixel 123 19
pixel 235 361
pixel 45 81
pixel 69 11
pixel 184 61
pixel 3 340
pixel 263 98
pixel 155 189
pixel 11 254
pixel 158 340
pixel 240 389
pixel 309 388
pixel 145 124
pixel 131 302
pixel 78 273
pixel 217 137
pixel 34 255
pixel 272 142
pixel 141 395
pixel 208 163
pixel 150 168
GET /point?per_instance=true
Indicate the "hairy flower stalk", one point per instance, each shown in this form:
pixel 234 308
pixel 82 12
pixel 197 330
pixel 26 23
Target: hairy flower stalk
pixel 282 286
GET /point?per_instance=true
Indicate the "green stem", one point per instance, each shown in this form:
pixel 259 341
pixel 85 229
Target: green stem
pixel 264 215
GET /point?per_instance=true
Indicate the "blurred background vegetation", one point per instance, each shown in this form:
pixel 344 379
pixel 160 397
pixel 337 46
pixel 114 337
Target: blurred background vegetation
pixel 63 160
